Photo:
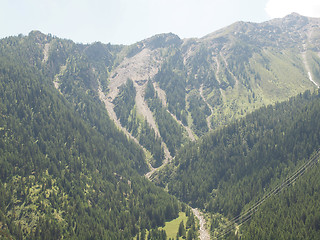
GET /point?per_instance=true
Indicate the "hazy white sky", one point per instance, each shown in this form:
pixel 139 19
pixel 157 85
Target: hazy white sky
pixel 129 21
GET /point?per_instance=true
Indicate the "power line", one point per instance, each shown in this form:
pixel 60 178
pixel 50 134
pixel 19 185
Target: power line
pixel 244 217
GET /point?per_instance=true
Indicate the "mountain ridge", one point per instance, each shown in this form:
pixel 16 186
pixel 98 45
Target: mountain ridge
pixel 231 71
pixel 172 38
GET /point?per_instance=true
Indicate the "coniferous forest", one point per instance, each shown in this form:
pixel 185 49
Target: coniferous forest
pixel 200 132
pixel 66 171
pixel 229 170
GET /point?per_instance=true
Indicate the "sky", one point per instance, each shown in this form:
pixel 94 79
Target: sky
pixel 130 21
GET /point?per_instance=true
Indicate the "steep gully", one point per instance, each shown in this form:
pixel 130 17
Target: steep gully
pixel 204 233
pixel 216 59
pixel 306 65
pixel 107 100
pixel 162 96
pixel 135 69
pixel 304 58
pixel 138 68
pixel 210 107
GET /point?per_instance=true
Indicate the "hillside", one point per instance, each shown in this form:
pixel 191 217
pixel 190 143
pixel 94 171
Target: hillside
pixel 209 81
pixel 230 169
pixel 66 171
pixel 202 83
pixel 293 214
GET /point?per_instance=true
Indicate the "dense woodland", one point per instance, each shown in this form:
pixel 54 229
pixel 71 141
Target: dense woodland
pixel 199 112
pixel 172 79
pixel 292 214
pixel 231 168
pixel 66 172
pixel 171 132
pixel 138 127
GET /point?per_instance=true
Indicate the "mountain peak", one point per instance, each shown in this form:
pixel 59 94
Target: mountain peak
pixel 293 21
pixel 162 40
pixel 293 14
pixel 39 37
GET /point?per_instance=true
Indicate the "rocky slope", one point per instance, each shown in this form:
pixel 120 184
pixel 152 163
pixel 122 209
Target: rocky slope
pixel 203 83
pixel 241 67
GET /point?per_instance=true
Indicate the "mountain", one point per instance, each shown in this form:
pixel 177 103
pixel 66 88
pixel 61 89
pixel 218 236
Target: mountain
pixel 206 83
pixel 83 125
pixel 199 84
pixel 66 171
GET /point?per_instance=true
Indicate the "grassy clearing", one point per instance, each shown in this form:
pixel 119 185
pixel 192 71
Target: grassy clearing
pixel 172 227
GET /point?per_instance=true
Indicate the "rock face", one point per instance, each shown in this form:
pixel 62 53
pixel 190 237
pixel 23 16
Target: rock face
pixel 141 65
pixel 142 62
